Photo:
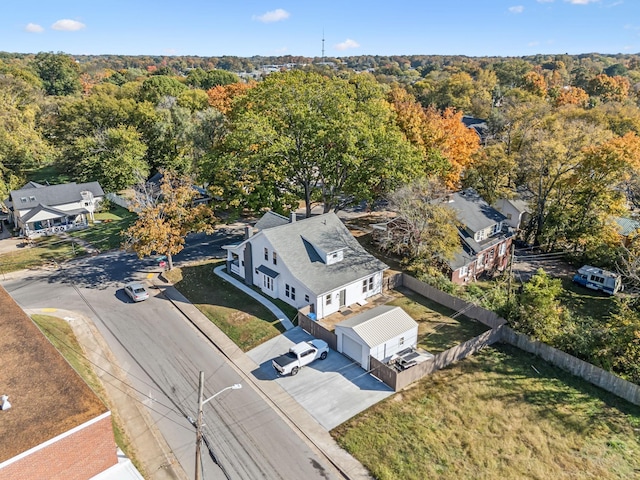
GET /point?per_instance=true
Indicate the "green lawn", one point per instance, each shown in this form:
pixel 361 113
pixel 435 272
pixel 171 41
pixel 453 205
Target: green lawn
pixel 437 331
pixel 245 321
pixel 499 414
pixel 44 250
pixel 63 339
pixel 49 173
pixel 105 234
pixel 586 303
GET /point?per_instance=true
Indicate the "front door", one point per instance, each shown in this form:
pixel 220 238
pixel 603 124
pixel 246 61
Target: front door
pixel 343 298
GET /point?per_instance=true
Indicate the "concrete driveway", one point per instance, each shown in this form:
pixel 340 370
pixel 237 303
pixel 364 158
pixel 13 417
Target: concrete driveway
pixel 331 390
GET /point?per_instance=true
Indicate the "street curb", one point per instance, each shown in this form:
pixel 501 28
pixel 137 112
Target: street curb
pixel 283 404
pixel 150 446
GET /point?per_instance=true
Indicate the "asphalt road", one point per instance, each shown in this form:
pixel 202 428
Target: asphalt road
pixel 162 355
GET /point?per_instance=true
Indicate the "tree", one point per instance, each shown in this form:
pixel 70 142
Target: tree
pixel 22 146
pixel 222 96
pixel 166 215
pixel 445 143
pixel 60 74
pixel 426 230
pixel 540 313
pixel 301 135
pixel 114 157
pixel 155 88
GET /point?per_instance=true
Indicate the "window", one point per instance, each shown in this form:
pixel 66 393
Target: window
pixel 32 198
pixel 480 235
pixel 371 283
pixel 286 290
pixel 23 199
pixel 401 341
pixel 268 282
pixel 327 300
pixel 508 216
pixel 275 258
pixel 364 286
pixel 496 228
pixel 306 298
pixel 464 271
pixel 334 256
pixel 503 249
pixel 480 261
pixel 266 253
pixel 293 293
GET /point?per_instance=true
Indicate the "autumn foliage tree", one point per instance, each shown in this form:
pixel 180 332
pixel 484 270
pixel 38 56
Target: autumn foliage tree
pixel 446 144
pixel 166 215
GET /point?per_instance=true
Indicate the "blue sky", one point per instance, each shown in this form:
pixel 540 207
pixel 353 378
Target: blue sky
pixel 351 27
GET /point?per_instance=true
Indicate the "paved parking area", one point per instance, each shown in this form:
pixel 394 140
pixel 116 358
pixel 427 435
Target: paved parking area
pixel 331 390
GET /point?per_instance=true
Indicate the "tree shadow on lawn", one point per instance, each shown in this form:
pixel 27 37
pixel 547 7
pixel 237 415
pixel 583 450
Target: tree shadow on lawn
pixel 556 394
pixel 247 322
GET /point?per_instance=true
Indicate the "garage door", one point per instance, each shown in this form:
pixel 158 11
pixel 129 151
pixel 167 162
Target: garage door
pixel 352 349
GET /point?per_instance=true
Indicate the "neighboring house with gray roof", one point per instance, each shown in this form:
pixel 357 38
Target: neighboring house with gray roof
pixel 627 227
pixel 315 261
pixel 516 209
pixel 484 234
pixel 38 210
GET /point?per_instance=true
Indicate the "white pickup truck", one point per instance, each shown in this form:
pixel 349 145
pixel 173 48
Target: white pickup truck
pixel 300 355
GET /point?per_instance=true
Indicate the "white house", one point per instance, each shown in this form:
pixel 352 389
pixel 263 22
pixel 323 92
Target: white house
pixel 38 210
pixel 379 333
pixel 516 210
pixel 315 261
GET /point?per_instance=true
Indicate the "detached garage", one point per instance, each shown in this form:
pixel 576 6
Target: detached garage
pixel 379 333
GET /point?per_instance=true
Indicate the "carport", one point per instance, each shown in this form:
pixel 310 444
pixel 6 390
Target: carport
pixel 378 333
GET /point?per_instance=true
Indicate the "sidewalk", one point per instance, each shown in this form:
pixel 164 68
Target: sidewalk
pixel 297 417
pixel 151 449
pixel 286 323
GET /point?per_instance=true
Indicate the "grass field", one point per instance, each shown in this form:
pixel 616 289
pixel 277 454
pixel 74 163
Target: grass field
pixel 63 339
pixel 500 414
pixel 45 250
pixel 105 235
pixel 245 321
pixel 437 330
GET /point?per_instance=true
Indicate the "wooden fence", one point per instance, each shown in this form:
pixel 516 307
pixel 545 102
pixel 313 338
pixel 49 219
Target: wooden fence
pixel 315 329
pixel 592 374
pixel 499 332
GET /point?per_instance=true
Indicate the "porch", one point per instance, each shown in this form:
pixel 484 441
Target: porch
pixel 53 226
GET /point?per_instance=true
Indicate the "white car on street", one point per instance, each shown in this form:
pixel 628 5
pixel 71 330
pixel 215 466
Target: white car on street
pixel 136 291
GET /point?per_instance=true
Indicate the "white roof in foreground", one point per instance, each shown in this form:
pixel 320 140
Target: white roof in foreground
pixel 123 470
pixel 380 324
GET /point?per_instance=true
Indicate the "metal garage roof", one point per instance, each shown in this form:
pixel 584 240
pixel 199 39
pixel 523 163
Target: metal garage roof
pixel 380 324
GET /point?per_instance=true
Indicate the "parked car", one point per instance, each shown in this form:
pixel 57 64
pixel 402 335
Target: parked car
pixel 598 279
pixel 136 291
pixel 300 355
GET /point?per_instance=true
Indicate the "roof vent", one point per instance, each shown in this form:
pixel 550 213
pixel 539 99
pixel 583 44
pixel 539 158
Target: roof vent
pixel 4 402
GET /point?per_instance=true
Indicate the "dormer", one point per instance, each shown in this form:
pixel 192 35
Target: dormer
pixel 330 251
pixel 334 257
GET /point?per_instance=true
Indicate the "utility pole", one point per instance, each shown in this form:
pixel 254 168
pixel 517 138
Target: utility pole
pixel 513 249
pixel 199 424
pixel 201 403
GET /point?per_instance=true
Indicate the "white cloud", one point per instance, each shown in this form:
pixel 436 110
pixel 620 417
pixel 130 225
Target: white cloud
pixel 272 16
pixel 533 44
pixel 348 43
pixel 33 28
pixel 545 1
pixel 68 25
pixel 581 2
pixel 516 9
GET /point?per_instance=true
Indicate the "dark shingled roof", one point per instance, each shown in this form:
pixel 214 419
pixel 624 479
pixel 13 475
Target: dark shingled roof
pixel 296 245
pixel 270 220
pixel 52 195
pixel 47 396
pixel 473 212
